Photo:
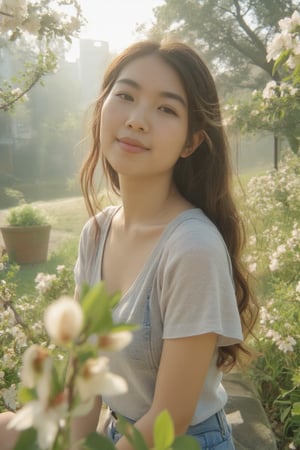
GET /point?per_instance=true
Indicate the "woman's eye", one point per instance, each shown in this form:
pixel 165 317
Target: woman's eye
pixel 168 110
pixel 124 96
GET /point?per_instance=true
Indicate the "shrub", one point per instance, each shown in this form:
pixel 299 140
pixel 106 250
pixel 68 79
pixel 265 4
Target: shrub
pixel 272 213
pixel 26 215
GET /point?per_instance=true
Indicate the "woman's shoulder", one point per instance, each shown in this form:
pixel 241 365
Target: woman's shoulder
pixel 193 228
pixel 194 238
pixel 193 241
pixel 100 220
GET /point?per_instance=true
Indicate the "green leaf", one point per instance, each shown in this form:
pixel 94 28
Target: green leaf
pixel 114 299
pixel 124 327
pixel 296 409
pixel 185 443
pixel 163 432
pixel 281 60
pixel 57 383
pixel 95 441
pixel 86 353
pixel 26 395
pixel 284 414
pixel 27 440
pixel 96 305
pixel 132 434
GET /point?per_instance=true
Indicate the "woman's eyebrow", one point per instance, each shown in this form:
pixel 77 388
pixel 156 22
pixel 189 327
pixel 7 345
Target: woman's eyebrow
pixel 167 94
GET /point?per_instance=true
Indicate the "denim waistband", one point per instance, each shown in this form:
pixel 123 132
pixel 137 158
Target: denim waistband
pixel 215 422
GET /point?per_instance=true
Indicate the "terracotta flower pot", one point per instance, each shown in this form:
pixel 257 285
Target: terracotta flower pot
pixel 27 245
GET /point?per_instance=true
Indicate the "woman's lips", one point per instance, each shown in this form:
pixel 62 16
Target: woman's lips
pixel 132 145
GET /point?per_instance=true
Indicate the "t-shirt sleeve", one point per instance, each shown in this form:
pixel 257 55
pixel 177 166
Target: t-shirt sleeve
pixel 85 250
pixel 197 290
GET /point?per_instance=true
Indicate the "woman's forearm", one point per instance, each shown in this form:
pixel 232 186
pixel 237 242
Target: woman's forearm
pixel 84 425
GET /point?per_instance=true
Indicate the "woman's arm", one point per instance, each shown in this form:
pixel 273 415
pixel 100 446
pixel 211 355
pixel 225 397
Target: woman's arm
pixel 84 425
pixel 183 368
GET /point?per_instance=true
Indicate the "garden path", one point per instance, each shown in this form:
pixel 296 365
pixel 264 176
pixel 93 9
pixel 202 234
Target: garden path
pixel 250 425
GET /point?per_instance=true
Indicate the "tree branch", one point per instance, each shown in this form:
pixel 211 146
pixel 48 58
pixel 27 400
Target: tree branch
pixel 254 38
pixel 6 14
pixel 6 106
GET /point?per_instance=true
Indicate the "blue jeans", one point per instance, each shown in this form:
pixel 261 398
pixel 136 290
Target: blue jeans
pixel 212 434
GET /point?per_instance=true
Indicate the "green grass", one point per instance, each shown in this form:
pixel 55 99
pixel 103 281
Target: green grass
pixel 65 255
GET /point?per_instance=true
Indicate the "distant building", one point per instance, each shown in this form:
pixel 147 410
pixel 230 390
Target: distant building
pixel 13 128
pixel 94 57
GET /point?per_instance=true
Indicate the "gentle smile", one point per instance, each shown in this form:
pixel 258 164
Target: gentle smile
pixel 132 145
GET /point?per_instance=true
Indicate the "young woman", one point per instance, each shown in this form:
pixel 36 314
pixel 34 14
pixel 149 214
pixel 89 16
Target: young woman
pixel 172 248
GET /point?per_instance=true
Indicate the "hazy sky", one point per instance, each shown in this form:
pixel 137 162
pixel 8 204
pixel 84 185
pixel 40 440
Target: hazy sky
pixel 115 21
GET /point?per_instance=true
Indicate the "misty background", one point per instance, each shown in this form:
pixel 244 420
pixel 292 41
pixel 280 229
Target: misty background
pixel 41 142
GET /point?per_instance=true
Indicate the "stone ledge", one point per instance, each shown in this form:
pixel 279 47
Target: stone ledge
pixel 250 426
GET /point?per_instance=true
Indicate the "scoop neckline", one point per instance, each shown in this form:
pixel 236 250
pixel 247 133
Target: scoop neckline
pixel 156 249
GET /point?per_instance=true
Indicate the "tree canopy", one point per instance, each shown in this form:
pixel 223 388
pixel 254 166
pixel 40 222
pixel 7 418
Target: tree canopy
pixel 277 107
pixel 232 35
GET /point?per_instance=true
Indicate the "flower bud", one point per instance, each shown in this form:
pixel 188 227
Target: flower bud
pixel 63 320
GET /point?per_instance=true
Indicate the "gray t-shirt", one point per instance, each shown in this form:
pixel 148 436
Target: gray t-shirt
pixel 184 289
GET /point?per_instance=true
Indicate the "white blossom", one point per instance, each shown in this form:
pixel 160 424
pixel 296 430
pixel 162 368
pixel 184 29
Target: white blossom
pixel 44 282
pixel 264 315
pixel 9 358
pixel 269 89
pixel 252 240
pixel 293 60
pixel 95 379
pixel 288 24
pixel 16 11
pixel 19 336
pixel 63 320
pixel 287 89
pixel 36 370
pixel 10 396
pixel 114 341
pixel 281 249
pixel 46 420
pixel 273 335
pixel 45 413
pixel 287 344
pixel 274 264
pixel 280 42
pixel 252 267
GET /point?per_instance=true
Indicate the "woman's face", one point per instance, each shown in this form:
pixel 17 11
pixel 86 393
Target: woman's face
pixel 144 120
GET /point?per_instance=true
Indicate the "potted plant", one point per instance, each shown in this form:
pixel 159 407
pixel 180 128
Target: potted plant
pixel 26 237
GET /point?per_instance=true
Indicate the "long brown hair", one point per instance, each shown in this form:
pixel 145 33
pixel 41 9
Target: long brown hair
pixel 204 178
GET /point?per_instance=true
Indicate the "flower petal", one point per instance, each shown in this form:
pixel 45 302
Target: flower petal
pixel 24 418
pixel 63 320
pixel 113 384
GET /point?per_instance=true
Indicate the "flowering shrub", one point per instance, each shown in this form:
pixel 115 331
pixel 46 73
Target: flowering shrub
pixel 272 209
pixel 20 322
pixel 57 366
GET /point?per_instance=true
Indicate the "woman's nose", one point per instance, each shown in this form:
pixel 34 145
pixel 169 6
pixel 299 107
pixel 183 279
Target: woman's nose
pixel 137 121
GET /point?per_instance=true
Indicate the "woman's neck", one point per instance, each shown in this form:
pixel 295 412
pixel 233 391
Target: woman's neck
pixel 150 202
